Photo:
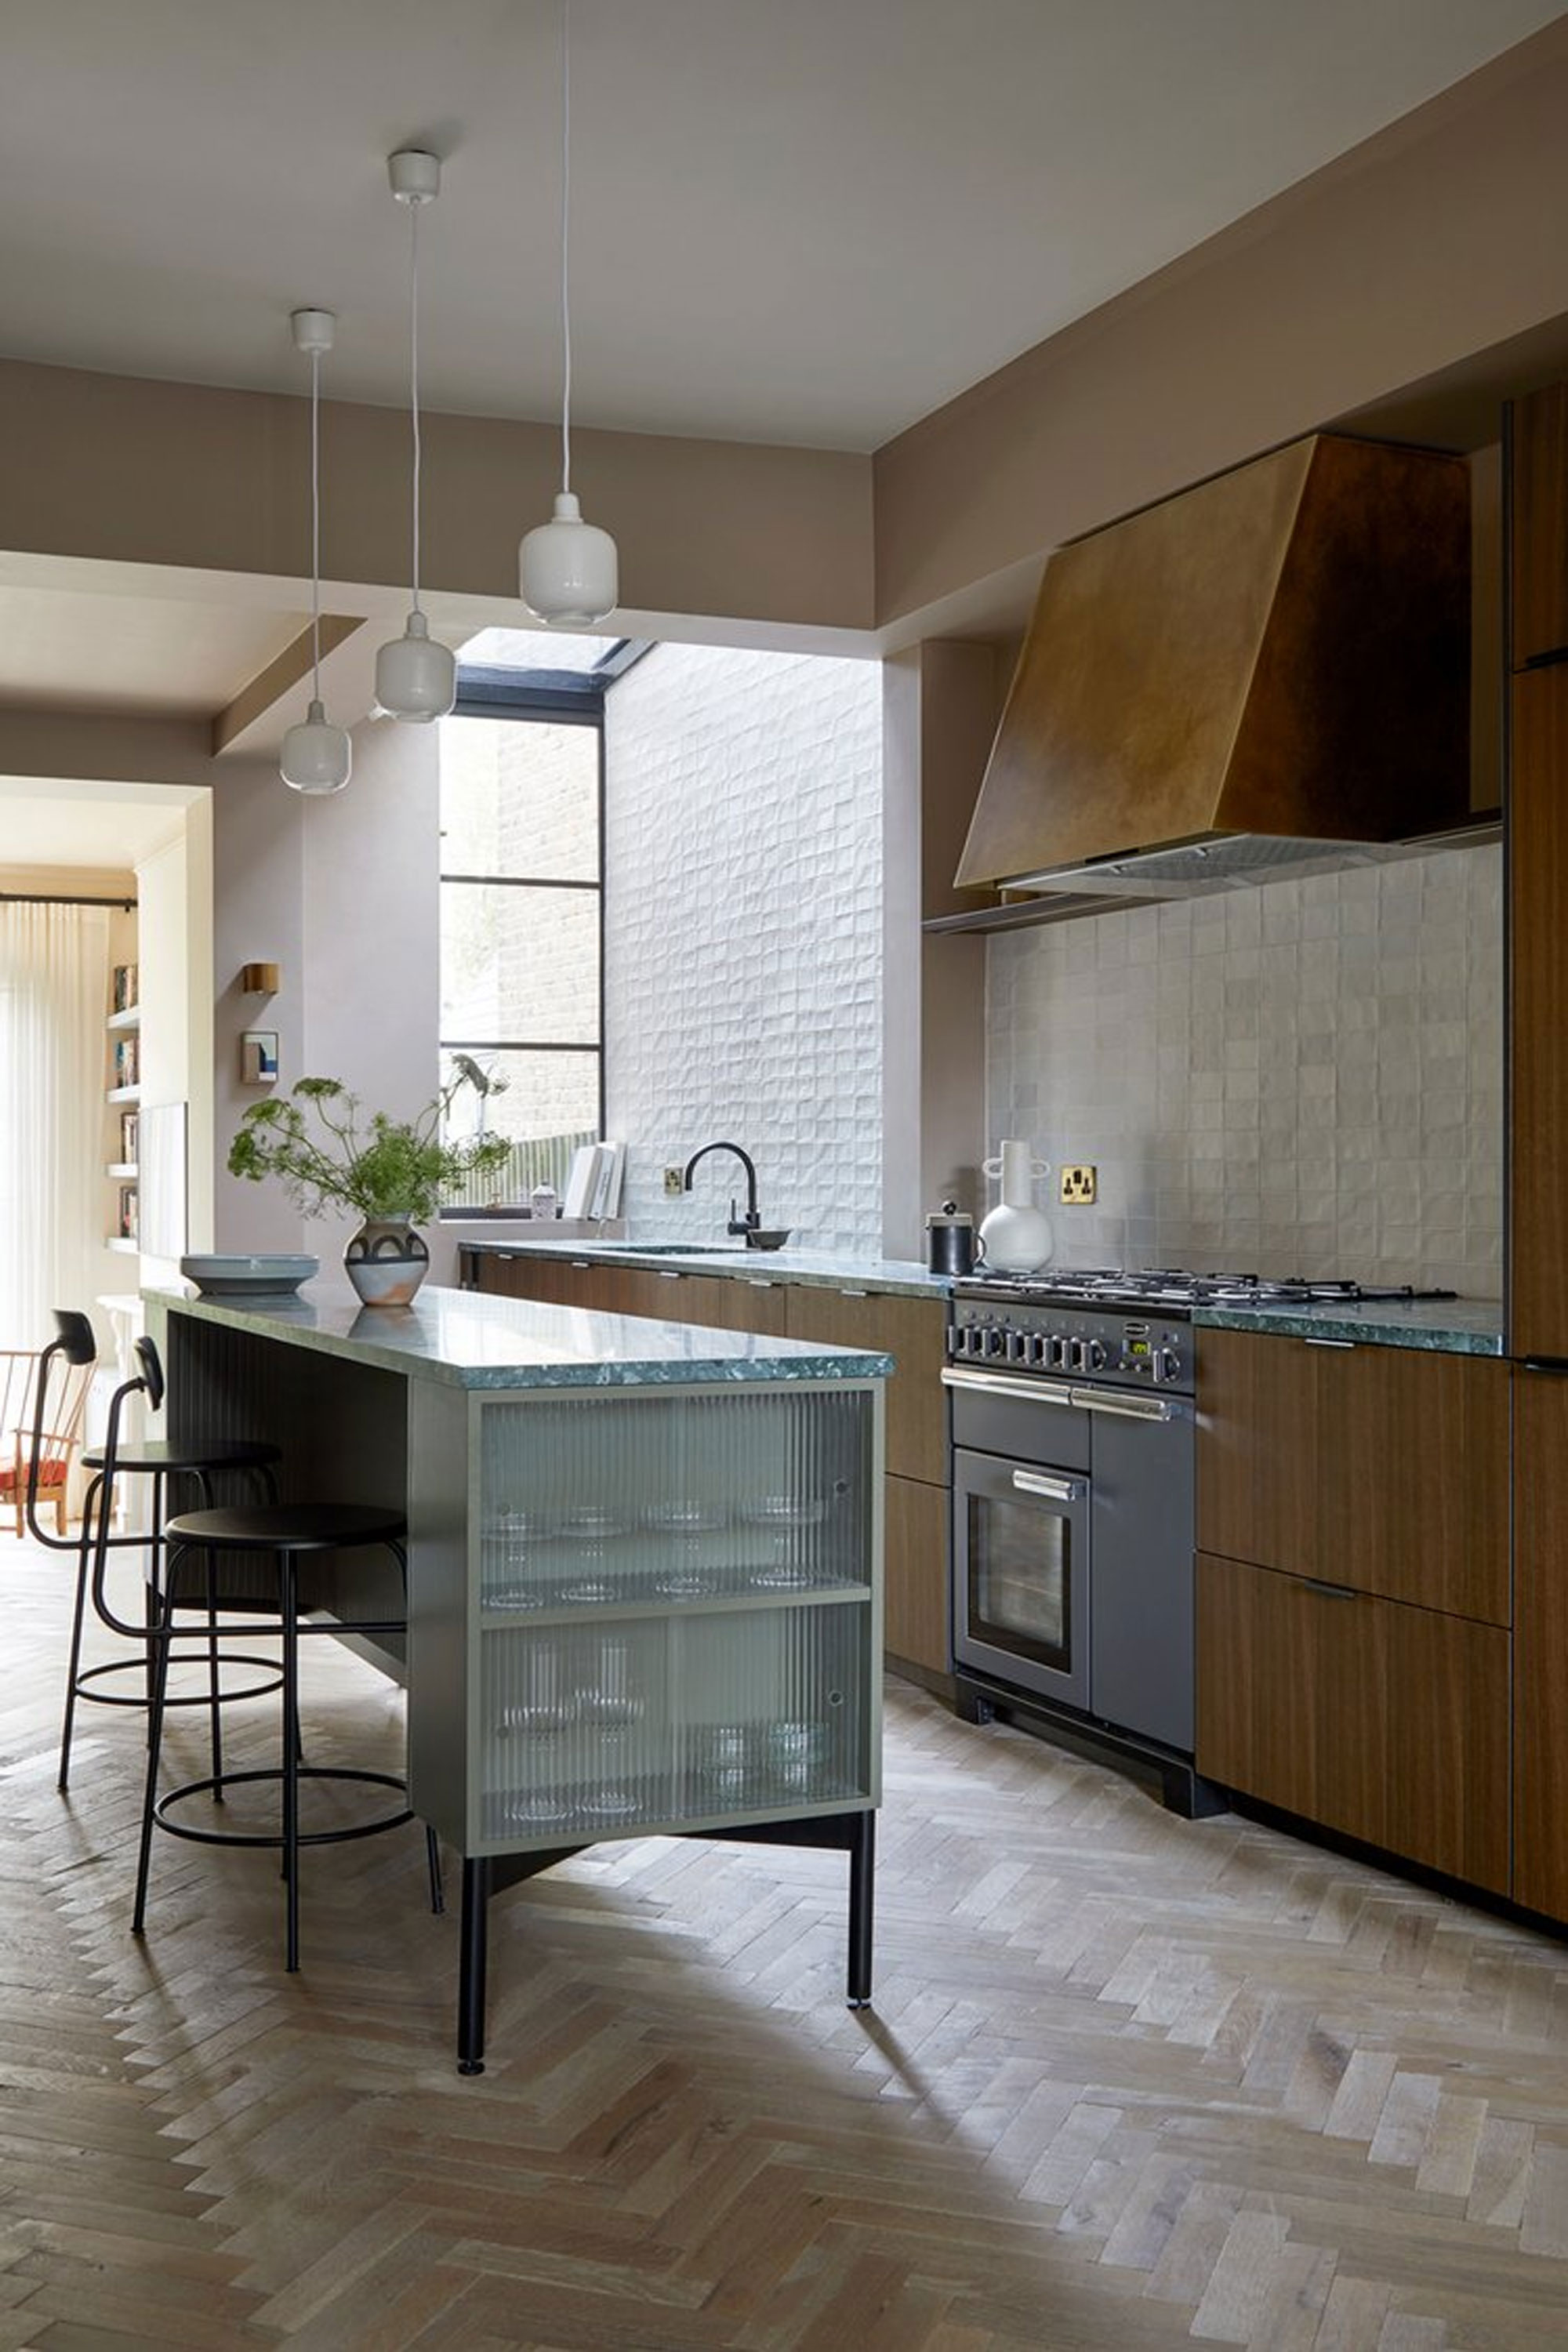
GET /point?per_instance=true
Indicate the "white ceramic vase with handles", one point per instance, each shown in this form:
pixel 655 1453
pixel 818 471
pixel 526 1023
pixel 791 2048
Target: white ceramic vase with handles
pixel 1016 1236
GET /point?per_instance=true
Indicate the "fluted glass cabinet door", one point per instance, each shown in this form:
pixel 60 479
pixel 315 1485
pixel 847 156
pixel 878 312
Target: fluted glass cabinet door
pixel 669 1612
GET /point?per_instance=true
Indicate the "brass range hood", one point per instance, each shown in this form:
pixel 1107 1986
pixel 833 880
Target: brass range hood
pixel 1267 673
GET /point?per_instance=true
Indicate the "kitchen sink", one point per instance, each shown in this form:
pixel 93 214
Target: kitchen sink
pixel 679 1249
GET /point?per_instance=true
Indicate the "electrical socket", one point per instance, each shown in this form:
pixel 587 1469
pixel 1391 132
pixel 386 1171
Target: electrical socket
pixel 674 1182
pixel 1078 1187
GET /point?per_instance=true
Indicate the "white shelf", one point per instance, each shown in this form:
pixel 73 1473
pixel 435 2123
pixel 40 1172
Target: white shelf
pixel 123 1095
pixel 122 1168
pixel 126 1248
pixel 129 1019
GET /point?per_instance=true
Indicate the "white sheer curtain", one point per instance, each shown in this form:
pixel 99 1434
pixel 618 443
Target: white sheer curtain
pixel 54 994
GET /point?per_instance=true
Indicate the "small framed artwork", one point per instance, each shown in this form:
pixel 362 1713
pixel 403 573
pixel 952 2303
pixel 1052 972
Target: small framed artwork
pixel 128 1213
pixel 259 1057
pixel 130 1126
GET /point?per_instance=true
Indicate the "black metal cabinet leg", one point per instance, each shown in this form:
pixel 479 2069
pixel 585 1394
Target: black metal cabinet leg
pixel 862 1900
pixel 471 1967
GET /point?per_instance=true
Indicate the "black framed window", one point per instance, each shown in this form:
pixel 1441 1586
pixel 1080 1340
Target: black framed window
pixel 522 872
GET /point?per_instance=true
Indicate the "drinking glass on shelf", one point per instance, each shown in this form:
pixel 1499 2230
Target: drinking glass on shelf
pixel 544 1709
pixel 611 1705
pixel 726 1751
pixel 796 1752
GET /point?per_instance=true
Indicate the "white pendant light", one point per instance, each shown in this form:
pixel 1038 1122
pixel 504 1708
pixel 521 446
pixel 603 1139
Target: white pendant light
pixel 566 568
pixel 416 676
pixel 316 758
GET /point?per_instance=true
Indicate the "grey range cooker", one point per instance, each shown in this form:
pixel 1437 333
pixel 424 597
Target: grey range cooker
pixel 1073 1415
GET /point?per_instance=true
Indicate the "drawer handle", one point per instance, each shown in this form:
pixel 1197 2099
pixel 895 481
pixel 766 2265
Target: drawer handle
pixel 667 1274
pixel 1331 1592
pixel 1331 1343
pixel 854 1294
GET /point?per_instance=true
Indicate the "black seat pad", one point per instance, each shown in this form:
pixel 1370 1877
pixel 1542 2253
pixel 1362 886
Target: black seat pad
pixel 288 1526
pixel 200 1454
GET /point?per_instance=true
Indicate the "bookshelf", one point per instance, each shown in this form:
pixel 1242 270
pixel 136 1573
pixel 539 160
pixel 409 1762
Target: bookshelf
pixel 122 1098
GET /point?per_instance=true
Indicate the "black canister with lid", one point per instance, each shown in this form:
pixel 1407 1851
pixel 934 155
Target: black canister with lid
pixel 949 1240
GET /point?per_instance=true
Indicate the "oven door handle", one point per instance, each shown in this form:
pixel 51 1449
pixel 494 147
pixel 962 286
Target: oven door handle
pixel 1130 1408
pixel 1054 1490
pixel 1025 1391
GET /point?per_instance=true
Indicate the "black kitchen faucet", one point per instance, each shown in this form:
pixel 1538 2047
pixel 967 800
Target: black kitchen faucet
pixel 751 1222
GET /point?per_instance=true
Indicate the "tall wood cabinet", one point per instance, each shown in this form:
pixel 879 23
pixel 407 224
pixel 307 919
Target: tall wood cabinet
pixel 916 1493
pixel 1538 1058
pixel 1353 1636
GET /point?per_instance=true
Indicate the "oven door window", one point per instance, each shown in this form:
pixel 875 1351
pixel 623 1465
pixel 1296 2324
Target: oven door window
pixel 1022 1573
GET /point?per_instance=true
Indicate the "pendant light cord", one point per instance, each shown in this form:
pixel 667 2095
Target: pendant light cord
pixel 565 244
pixel 316 525
pixel 414 211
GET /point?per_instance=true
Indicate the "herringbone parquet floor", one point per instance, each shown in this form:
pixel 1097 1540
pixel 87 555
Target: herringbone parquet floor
pixel 1130 2082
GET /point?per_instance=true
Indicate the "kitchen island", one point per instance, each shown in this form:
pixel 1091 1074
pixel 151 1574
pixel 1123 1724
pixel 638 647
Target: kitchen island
pixel 645 1565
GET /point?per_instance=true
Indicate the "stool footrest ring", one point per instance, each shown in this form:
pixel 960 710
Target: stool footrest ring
pixel 213 1783
pixel 192 1698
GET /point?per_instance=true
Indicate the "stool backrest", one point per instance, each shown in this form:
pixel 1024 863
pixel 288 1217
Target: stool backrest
pixel 41 1457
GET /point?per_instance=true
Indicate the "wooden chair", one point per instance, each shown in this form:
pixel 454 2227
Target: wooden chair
pixel 64 1405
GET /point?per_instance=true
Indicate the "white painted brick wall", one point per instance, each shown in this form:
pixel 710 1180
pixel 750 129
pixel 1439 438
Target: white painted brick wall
pixel 1302 1078
pixel 743 937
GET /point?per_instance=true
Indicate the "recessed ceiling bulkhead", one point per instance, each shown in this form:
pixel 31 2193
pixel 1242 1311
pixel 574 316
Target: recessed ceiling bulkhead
pixel 1267 671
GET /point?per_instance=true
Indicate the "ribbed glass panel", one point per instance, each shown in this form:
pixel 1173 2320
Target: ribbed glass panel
pixel 594 1502
pixel 744 1521
pixel 649 1722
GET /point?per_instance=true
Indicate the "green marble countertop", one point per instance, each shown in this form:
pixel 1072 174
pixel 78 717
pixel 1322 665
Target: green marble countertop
pixel 480 1342
pixel 1465 1327
pixel 902 1277
pixel 1453 1327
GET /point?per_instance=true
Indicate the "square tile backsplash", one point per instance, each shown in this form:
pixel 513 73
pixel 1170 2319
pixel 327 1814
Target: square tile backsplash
pixel 1301 1078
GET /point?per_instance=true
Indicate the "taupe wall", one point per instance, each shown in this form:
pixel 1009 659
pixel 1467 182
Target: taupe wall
pixel 1431 242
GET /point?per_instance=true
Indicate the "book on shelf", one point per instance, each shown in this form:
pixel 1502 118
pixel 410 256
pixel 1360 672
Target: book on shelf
pixel 126 987
pixel 610 1160
pixel 127 1062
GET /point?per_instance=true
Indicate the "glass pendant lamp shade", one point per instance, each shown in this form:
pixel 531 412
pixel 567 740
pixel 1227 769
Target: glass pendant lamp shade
pixel 567 571
pixel 416 676
pixel 317 758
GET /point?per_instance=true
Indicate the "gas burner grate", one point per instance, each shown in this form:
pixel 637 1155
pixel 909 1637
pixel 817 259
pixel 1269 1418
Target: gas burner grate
pixel 1174 1287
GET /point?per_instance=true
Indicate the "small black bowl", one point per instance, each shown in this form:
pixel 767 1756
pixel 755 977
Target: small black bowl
pixel 768 1240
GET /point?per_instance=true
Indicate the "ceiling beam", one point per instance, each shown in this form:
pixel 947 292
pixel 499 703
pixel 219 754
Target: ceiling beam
pixel 251 704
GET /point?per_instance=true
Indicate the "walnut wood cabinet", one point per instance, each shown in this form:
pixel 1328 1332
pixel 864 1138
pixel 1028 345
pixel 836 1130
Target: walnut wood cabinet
pixel 1384 1722
pixel 1538 943
pixel 1382 1469
pixel 1539 503
pixel 908 1329
pixel 1355 1604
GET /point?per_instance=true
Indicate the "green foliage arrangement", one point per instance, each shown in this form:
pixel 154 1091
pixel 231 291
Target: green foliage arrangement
pixel 313 1142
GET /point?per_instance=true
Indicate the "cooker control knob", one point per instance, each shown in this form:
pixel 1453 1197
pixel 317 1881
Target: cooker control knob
pixel 1095 1354
pixel 1017 1348
pixel 1056 1354
pixel 995 1343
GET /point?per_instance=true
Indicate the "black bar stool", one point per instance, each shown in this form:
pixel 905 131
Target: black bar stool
pixel 163 1461
pixel 285 1536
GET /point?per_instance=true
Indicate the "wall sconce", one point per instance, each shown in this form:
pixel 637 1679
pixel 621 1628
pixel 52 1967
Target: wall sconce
pixel 259 979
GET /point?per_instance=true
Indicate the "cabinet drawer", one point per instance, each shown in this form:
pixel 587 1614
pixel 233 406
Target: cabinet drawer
pixel 1385 1722
pixel 912 1331
pixel 1382 1468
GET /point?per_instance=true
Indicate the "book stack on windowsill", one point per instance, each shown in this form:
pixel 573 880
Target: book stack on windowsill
pixel 593 1186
